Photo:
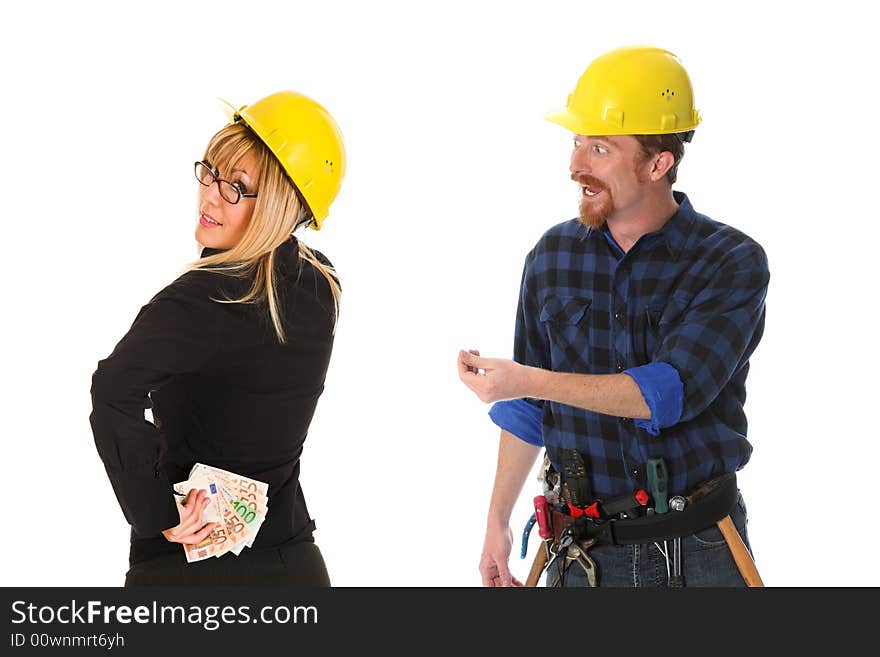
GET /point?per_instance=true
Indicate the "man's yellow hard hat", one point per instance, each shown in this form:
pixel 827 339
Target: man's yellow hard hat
pixel 636 90
pixel 305 139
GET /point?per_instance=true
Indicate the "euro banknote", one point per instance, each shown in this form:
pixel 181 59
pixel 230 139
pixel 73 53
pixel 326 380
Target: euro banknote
pixel 238 505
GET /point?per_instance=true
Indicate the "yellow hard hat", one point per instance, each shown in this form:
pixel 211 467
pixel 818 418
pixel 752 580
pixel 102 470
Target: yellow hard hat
pixel 636 90
pixel 305 139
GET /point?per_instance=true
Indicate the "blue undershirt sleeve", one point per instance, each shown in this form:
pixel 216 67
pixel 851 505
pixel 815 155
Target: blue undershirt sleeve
pixel 520 418
pixel 663 391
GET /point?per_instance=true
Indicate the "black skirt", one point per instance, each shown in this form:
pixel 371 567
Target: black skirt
pixel 295 563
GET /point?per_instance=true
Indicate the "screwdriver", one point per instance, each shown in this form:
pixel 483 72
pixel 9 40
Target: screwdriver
pixel 657 484
pixel 657 480
pixel 676 581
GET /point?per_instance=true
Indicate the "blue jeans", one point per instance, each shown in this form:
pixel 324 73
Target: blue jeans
pixel 705 561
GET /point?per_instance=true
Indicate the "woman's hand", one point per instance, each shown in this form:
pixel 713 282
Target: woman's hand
pixel 191 530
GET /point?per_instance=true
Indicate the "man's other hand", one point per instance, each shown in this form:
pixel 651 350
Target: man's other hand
pixel 496 553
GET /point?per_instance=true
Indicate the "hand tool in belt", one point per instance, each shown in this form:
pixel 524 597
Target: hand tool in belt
pixel 741 556
pixel 657 484
pixel 676 581
pixel 574 551
pixel 542 518
pixel 575 482
pixel 525 536
pixel 658 480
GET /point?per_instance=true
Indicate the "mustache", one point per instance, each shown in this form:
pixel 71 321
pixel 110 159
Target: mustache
pixel 584 179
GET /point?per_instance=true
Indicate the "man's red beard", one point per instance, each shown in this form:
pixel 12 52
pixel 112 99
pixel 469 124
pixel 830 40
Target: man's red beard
pixel 593 212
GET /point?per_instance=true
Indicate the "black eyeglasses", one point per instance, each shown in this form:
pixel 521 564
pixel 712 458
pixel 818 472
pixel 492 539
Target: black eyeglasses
pixel 231 192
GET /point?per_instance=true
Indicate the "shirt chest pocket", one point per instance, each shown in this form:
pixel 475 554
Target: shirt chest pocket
pixel 566 321
pixel 648 338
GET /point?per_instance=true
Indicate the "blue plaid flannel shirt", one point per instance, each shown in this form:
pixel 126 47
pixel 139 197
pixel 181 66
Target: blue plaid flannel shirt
pixel 681 313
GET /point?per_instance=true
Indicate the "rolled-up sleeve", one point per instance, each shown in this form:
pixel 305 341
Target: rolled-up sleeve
pixel 171 335
pixel 714 337
pixel 663 391
pixel 519 417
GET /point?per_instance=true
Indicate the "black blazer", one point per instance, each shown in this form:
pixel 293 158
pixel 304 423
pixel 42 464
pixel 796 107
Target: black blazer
pixel 223 392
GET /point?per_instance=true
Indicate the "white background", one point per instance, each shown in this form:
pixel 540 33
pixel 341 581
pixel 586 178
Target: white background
pixel 453 175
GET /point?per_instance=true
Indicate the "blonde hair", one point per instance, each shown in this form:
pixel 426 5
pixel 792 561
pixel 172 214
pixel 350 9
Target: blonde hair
pixel 277 213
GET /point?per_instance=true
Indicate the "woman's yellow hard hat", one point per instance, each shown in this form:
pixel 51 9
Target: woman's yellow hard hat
pixel 305 139
pixel 636 90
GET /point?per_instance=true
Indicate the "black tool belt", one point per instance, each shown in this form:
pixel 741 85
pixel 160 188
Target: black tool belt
pixel 706 505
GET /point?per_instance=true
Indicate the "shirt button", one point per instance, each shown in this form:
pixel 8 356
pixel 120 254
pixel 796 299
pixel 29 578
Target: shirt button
pixel 620 367
pixel 618 316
